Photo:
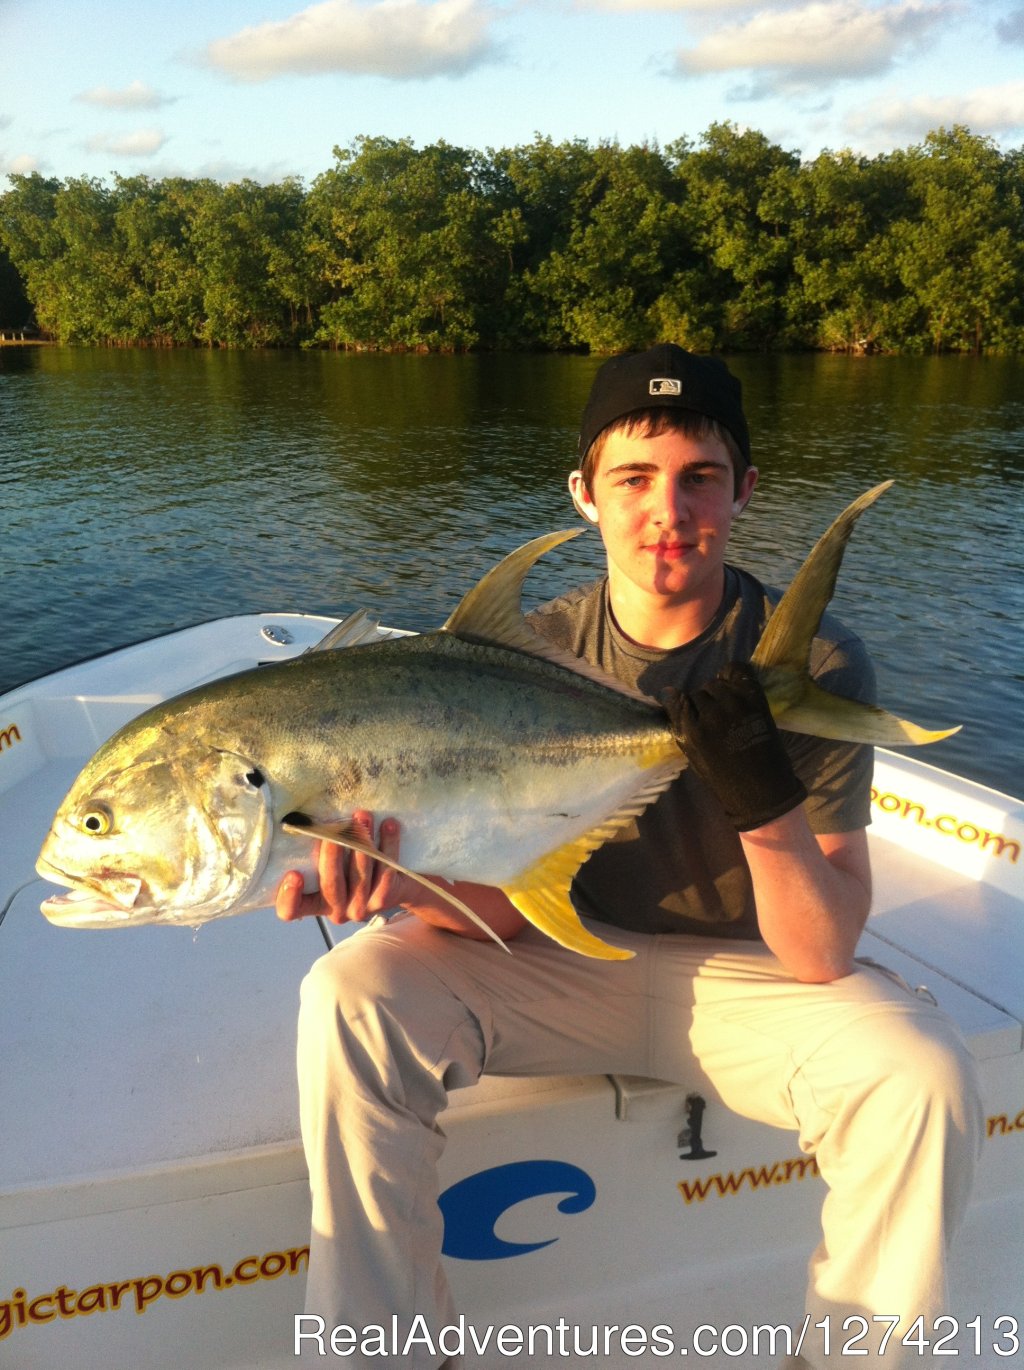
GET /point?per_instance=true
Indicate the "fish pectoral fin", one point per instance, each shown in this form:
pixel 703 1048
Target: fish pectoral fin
pixel 541 894
pixel 821 714
pixel 347 834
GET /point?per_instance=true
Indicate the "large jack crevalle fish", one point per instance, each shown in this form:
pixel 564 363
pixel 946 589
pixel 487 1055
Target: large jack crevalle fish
pixel 506 762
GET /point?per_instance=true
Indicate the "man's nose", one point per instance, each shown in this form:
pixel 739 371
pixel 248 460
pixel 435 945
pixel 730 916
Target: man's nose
pixel 672 506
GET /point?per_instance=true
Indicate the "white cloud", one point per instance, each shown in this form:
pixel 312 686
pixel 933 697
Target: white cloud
pixel 632 6
pixel 401 39
pixel 990 110
pixel 18 166
pixel 823 41
pixel 144 142
pixel 134 96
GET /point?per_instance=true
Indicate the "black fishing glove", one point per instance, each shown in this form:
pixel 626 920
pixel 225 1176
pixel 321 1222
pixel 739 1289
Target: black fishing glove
pixel 731 741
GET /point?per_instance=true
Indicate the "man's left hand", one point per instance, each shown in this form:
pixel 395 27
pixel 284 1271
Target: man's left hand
pixel 730 739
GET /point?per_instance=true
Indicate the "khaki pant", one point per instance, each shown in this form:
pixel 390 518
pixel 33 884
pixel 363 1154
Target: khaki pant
pixel 400 1013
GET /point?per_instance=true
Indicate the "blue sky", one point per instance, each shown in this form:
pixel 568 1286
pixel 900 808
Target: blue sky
pixel 266 88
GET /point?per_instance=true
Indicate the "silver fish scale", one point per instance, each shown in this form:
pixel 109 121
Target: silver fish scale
pixel 469 745
pixel 390 701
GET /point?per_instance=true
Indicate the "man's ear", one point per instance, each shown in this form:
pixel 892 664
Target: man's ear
pixel 747 484
pixel 582 498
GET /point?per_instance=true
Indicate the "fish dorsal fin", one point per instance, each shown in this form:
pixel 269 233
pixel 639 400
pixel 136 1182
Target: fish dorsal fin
pixel 541 893
pixel 345 833
pixel 355 630
pixel 492 613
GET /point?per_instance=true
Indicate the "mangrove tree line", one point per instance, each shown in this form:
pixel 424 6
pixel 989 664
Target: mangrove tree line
pixel 727 243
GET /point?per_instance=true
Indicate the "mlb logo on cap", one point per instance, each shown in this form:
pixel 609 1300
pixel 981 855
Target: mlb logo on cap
pixel 665 385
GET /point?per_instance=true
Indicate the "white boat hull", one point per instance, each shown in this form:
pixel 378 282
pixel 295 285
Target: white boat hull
pixel 153 1202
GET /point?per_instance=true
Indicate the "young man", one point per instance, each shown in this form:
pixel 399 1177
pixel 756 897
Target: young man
pixel 755 863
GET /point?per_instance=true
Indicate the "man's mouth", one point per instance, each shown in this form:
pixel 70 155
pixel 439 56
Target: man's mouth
pixel 672 551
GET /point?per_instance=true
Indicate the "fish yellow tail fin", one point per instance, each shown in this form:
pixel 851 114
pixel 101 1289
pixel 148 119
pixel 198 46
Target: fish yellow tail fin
pixel 783 653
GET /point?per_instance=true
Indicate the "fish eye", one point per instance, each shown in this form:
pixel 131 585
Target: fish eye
pixel 97 820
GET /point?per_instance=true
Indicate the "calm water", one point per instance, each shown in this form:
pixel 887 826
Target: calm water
pixel 142 491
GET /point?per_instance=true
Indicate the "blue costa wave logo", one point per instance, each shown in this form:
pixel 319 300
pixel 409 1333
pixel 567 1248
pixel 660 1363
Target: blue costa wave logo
pixel 472 1207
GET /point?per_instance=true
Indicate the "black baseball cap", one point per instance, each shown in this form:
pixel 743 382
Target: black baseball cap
pixel 664 377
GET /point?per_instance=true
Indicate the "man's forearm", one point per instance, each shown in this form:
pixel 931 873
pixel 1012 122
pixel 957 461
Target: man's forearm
pixel 812 895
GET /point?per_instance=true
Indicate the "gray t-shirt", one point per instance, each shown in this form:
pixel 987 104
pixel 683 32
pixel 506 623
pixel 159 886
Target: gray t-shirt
pixel 679 867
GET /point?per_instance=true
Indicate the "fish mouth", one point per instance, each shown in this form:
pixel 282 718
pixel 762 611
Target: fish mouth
pixel 83 909
pixel 87 907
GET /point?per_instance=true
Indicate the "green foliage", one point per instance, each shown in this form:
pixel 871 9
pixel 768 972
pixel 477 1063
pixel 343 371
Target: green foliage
pixel 30 238
pixel 730 243
pixel 611 283
pixel 404 240
pixel 734 187
pixel 846 293
pixel 961 253
pixel 15 306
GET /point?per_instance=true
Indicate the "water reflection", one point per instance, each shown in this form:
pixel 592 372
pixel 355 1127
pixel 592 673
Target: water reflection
pixel 144 489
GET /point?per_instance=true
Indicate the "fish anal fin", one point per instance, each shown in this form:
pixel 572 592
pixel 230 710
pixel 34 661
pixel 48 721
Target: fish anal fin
pixel 345 833
pixel 541 894
pixel 821 714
